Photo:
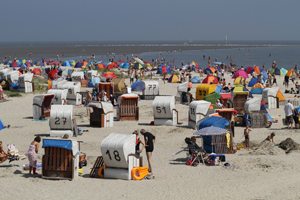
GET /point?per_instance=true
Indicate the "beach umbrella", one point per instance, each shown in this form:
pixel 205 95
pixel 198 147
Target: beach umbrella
pixel 109 75
pixel 148 63
pixel 240 73
pixel 139 61
pixel 211 130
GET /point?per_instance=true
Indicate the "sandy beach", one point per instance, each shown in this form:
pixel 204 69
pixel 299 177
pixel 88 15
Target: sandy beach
pixel 251 176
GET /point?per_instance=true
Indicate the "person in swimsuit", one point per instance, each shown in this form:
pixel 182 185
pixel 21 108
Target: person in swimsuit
pixel 137 144
pixel 2 152
pixel 1 92
pixel 246 135
pixel 270 137
pixel 149 141
pixel 32 154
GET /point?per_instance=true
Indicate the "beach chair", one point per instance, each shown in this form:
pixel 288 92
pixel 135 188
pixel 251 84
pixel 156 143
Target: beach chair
pixel 61 159
pixel 42 105
pixel 151 90
pixel 102 115
pixel 128 107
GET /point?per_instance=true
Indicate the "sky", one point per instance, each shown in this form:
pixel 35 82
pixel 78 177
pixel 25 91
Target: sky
pixel 152 20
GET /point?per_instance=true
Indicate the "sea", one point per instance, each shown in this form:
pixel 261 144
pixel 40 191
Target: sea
pixel 286 54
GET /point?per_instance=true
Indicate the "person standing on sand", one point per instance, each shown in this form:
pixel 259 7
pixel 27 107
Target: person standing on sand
pixel 149 145
pixel 289 113
pixel 32 154
pixel 286 81
pixel 246 135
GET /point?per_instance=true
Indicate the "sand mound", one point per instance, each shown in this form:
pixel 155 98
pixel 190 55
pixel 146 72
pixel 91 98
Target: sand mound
pixel 288 145
pixel 267 148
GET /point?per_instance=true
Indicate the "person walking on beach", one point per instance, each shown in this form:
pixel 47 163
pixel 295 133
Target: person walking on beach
pixel 286 81
pixel 32 154
pixel 289 113
pixel 149 145
pixel 246 135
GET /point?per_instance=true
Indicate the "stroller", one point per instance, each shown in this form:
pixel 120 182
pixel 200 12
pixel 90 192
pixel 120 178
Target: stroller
pixel 195 153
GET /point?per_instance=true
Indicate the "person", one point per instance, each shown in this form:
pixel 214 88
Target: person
pixel 149 145
pixel 219 104
pixel 87 101
pixel 66 136
pixel 274 80
pixel 246 135
pixel 137 144
pixel 293 77
pixel 190 95
pixel 289 113
pixel 95 92
pixel 296 118
pixel 286 81
pixel 1 92
pixel 296 86
pixel 32 154
pixel 193 142
pixel 270 137
pixel 292 91
pixel 2 151
pixel 132 77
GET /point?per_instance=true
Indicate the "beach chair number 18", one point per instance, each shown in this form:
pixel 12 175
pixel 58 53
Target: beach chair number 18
pixel 57 120
pixel 116 155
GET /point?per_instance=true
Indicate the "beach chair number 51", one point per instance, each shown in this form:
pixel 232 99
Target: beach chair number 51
pixel 116 155
pixel 150 86
pixel 57 120
pixel 159 109
pixel 200 93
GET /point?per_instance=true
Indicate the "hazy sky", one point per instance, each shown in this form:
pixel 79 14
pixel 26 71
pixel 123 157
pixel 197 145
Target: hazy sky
pixel 139 20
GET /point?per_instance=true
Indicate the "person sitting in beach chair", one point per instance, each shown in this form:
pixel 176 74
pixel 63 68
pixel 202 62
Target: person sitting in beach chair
pixel 194 150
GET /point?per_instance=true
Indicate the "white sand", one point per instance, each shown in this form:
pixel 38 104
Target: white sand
pixel 250 176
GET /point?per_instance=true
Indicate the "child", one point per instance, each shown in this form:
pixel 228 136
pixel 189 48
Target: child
pixel 270 137
pixel 246 135
pixel 2 152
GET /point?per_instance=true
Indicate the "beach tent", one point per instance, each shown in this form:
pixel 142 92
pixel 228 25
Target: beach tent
pixel 22 66
pixel 194 65
pixel 28 64
pixel 112 65
pixel 256 70
pixel 291 72
pixel 137 86
pixel 257 88
pixel 52 73
pixel 262 107
pixel 265 74
pixel 104 63
pixel 95 81
pixel 237 81
pixel 277 71
pixel 124 65
pixel 14 64
pixel 252 82
pixel 1 125
pixel 240 73
pixel 207 71
pixel 100 66
pixel 212 98
pixel 78 65
pixel 214 121
pixel 173 79
pixel 280 96
pixel 210 79
pixel 84 64
pixel 163 70
pixel 248 70
pixel 36 71
pixel 284 71
pixel 195 79
pixel 67 64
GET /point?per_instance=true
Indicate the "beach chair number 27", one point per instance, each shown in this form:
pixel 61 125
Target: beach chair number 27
pixel 116 155
pixel 152 86
pixel 57 120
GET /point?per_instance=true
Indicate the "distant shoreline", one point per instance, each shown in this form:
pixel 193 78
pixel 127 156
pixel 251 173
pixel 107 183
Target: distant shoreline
pixel 88 50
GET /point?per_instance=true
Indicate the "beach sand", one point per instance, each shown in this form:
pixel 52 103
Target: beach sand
pixel 251 176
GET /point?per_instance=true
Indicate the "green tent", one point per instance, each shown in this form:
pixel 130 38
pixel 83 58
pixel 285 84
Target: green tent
pixel 212 98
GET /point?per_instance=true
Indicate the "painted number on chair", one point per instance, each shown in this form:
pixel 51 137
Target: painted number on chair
pixel 151 87
pixel 70 91
pixel 192 111
pixel 116 155
pixel 57 120
pixel 159 109
pixel 202 92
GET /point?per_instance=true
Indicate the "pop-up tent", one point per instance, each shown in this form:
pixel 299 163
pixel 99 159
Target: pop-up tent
pixel 252 82
pixel 212 98
pixel 195 79
pixel 220 122
pixel 137 86
pixel 207 71
pixel 256 70
pixel 36 71
pixel 78 65
pixel 173 79
pixel 257 88
pixel 238 80
pixel 210 79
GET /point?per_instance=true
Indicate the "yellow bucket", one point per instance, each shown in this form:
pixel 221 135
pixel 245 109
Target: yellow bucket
pixel 80 171
pixel 238 148
pixel 241 146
